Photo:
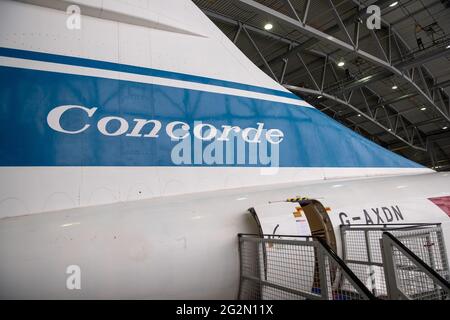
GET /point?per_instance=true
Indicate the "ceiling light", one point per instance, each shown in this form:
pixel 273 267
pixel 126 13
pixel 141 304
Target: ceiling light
pixel 393 4
pixel 448 47
pixel 423 109
pixel 359 115
pixel 394 87
pixel 319 97
pixel 341 63
pixel 268 26
pixel 444 128
pixel 390 130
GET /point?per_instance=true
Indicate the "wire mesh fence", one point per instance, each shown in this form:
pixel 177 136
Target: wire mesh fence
pixel 294 268
pixel 411 277
pixel 362 251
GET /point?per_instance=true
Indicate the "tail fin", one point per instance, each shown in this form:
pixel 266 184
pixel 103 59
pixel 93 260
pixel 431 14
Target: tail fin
pixel 120 100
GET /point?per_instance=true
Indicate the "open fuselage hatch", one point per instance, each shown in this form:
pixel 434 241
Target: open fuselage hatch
pixel 298 216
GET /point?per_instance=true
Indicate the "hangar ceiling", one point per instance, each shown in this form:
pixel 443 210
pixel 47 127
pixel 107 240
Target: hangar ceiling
pixel 391 85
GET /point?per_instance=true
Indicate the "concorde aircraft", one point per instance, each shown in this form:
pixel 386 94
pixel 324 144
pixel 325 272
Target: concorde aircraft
pixel 135 136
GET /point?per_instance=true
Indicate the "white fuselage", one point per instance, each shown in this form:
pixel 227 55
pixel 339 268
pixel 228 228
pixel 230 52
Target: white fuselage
pixel 184 246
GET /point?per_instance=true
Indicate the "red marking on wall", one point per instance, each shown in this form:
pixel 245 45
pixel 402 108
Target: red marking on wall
pixel 443 203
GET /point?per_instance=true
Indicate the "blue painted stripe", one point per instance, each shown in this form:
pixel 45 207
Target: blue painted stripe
pixel 104 65
pixel 310 138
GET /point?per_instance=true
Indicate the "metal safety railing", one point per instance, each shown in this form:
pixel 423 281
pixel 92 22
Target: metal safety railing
pixel 408 276
pixel 362 251
pixel 293 267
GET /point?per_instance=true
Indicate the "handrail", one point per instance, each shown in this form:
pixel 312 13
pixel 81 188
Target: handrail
pixel 390 226
pixel 319 244
pixel 272 235
pixel 358 283
pixel 417 260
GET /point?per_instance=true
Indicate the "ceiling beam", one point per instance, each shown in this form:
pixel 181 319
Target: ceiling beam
pixel 358 84
pixel 389 102
pixel 326 38
pixel 428 56
pixel 349 105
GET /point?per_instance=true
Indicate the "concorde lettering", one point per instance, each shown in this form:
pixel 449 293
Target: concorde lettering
pixel 176 130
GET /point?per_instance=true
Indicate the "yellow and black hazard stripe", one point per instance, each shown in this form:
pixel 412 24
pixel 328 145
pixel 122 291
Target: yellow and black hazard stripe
pixel 298 199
